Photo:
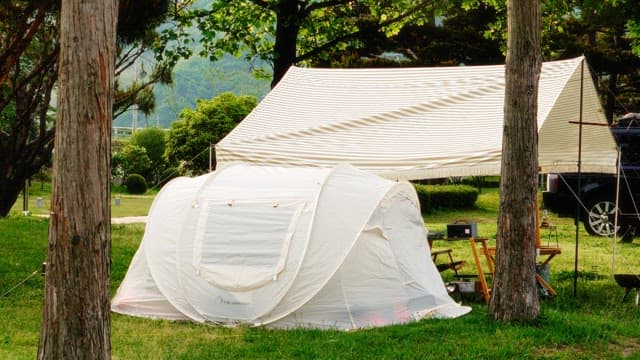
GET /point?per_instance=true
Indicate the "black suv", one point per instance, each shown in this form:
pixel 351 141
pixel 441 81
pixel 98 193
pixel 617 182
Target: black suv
pixel 598 191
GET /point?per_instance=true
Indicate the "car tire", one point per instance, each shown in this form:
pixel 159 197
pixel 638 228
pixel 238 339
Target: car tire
pixel 599 220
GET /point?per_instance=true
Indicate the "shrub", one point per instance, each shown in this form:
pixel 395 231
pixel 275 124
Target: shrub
pixel 435 197
pixel 480 182
pixel 135 184
pixel 154 141
pixel 196 129
pixel 169 174
pixel 132 159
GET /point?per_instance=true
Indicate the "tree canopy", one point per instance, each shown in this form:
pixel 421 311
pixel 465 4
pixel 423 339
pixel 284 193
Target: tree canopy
pixel 29 50
pixel 28 64
pixel 286 32
pixel 606 32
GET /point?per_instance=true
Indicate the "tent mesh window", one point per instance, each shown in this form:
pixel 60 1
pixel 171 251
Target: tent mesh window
pixel 243 245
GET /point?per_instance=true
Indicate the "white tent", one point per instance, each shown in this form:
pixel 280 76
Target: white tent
pixel 417 123
pixel 285 247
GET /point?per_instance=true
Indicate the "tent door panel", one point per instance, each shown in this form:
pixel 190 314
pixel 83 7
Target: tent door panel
pixel 241 246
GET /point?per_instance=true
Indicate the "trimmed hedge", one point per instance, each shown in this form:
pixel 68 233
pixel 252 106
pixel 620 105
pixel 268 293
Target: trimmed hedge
pixel 135 184
pixel 436 197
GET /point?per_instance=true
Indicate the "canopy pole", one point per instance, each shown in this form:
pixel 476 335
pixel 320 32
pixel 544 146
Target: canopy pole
pixel 615 219
pixel 25 198
pixel 577 222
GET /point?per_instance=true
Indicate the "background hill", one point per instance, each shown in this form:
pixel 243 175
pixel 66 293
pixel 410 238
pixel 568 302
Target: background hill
pixel 198 78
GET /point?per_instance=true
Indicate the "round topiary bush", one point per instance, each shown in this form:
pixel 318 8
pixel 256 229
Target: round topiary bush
pixel 135 184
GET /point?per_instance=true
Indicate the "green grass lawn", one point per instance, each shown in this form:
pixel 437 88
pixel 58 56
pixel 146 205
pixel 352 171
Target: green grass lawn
pixel 592 325
pixel 122 204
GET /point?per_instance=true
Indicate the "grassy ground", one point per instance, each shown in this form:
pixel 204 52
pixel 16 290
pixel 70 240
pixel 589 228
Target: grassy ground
pixel 592 325
pixel 122 204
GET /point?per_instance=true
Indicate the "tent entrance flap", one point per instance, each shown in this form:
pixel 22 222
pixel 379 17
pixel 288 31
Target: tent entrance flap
pixel 244 245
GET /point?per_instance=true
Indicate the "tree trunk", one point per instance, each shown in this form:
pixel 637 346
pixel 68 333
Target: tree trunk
pixel 23 158
pixel 9 192
pixel 287 27
pixel 514 294
pixel 611 95
pixel 76 314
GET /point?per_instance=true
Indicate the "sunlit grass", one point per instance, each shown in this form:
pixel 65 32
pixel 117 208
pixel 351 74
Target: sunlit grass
pixel 122 204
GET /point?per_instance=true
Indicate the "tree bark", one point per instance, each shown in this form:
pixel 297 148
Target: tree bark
pixel 514 294
pixel 611 95
pixel 76 314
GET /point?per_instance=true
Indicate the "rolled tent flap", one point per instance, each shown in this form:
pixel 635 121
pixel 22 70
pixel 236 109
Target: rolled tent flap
pixel 285 247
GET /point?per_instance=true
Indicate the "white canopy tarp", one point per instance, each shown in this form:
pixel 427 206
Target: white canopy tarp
pixel 417 123
pixel 285 247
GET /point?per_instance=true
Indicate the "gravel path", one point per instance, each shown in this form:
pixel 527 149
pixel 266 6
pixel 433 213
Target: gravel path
pixel 129 220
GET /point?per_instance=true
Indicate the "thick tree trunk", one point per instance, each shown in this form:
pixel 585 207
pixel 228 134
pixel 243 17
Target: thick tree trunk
pixel 9 192
pixel 76 315
pixel 287 28
pixel 23 159
pixel 514 294
pixel 612 93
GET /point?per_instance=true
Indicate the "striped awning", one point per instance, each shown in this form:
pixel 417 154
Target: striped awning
pixel 418 123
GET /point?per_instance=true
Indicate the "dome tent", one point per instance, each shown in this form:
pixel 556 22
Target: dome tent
pixel 285 247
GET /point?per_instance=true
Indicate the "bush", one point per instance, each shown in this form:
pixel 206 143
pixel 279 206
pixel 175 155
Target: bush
pixel 435 197
pixel 135 184
pixel 480 182
pixel 169 174
pixel 132 159
pixel 196 129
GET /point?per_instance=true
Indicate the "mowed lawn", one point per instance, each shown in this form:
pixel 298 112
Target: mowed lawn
pixel 122 204
pixel 593 324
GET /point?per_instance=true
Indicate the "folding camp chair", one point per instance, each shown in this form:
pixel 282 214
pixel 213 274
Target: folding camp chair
pixel 449 263
pixel 482 275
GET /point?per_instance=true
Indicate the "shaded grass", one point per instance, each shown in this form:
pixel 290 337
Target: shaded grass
pixel 22 250
pixel 592 325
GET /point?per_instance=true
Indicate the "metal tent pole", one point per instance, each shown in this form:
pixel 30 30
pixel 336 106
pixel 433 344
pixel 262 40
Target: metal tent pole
pixel 578 209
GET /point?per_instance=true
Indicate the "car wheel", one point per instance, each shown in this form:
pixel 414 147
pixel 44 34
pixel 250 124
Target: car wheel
pixel 600 219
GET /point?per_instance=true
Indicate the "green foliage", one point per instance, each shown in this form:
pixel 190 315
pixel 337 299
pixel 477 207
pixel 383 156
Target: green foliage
pixel 603 31
pixel 28 51
pixel 132 159
pixel 634 34
pixel 154 141
pixel 305 29
pixel 135 184
pixel 196 129
pixel 169 174
pixel 480 182
pixel 437 197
